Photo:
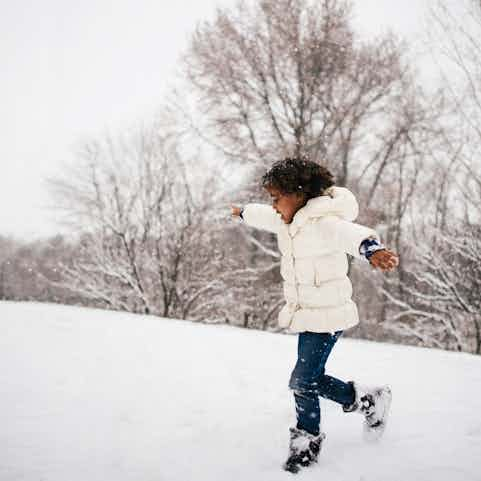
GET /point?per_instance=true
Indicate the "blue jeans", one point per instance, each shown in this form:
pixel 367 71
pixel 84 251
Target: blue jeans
pixel 309 381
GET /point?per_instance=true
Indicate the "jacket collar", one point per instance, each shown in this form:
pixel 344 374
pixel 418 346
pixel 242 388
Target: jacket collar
pixel 338 201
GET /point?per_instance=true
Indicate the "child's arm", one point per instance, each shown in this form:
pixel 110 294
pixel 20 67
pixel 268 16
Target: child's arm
pixel 363 242
pixel 378 255
pixel 260 216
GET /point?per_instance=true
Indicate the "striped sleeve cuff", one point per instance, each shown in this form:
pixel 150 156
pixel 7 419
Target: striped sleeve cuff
pixel 369 246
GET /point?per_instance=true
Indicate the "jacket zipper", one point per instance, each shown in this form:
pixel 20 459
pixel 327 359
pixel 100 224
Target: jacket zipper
pixel 297 307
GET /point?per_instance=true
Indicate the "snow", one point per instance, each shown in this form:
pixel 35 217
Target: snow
pixel 87 394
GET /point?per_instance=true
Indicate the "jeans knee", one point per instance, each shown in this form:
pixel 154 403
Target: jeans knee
pixel 301 388
pixel 303 396
pixel 306 384
pixel 296 383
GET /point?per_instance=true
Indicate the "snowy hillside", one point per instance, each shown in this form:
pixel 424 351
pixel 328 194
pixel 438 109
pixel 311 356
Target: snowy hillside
pixel 96 395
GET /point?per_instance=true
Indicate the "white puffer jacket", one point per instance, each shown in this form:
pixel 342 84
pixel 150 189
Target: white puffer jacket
pixel 314 262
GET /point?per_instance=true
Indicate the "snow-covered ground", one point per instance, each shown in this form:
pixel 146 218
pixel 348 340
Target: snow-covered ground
pixel 89 395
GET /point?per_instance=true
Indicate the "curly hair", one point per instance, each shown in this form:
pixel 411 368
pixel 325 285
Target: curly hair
pixel 294 174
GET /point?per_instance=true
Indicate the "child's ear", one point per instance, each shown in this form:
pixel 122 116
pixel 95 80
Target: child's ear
pixel 301 198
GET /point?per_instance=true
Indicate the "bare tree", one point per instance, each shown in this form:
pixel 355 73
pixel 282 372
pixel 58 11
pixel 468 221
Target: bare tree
pixel 8 247
pixel 271 84
pixel 438 299
pixel 441 304
pixel 456 35
pixel 141 227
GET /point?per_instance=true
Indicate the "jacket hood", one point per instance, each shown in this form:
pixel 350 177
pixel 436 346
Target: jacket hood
pixel 338 201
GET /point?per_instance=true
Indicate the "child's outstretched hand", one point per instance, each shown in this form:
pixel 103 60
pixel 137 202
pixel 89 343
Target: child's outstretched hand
pixel 384 259
pixel 235 211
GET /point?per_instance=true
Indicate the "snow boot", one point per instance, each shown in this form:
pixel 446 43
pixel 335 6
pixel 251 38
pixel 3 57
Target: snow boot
pixel 304 449
pixel 374 403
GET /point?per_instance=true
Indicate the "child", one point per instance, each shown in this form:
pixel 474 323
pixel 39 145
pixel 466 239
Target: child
pixel 313 220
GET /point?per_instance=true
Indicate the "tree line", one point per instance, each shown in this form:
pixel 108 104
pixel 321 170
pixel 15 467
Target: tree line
pixel 150 206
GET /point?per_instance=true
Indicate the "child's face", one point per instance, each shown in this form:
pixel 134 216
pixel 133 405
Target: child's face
pixel 286 204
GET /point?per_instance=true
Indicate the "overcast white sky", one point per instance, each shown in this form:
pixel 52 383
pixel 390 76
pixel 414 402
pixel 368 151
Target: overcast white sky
pixel 69 70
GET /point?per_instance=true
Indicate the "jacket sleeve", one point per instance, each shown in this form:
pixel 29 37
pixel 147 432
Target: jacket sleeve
pixel 261 216
pixel 349 236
